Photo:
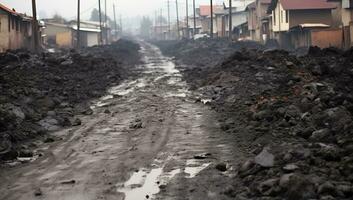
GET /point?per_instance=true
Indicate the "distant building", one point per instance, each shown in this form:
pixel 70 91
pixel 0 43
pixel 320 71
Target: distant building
pixel 303 23
pixel 342 17
pixel 64 35
pixel 15 30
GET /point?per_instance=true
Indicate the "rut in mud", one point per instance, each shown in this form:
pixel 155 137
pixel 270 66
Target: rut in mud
pixel 147 138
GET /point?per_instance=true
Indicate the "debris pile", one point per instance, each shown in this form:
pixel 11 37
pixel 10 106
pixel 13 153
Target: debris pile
pixel 41 93
pixel 292 114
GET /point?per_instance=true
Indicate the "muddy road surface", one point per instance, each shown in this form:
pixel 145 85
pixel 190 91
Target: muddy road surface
pixel 147 139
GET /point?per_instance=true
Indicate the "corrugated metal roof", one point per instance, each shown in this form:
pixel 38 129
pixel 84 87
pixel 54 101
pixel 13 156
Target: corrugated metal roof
pixel 6 9
pixel 306 4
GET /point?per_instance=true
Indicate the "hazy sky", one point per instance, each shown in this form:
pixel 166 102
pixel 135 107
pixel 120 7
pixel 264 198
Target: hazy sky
pixel 128 8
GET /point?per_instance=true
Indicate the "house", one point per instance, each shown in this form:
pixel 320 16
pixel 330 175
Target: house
pixel 15 30
pixel 205 18
pixel 90 33
pixel 302 23
pixel 64 35
pixel 343 18
pixel 239 14
pixel 58 34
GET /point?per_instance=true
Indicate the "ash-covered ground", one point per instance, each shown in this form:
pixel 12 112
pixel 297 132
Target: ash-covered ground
pixel 292 114
pixel 44 92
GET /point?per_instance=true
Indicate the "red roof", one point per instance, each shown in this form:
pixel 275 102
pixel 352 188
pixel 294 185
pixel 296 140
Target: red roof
pixel 306 4
pixel 6 9
pixel 205 10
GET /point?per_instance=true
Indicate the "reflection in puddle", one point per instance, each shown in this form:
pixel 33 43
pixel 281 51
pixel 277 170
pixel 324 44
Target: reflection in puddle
pixel 143 183
pixel 194 170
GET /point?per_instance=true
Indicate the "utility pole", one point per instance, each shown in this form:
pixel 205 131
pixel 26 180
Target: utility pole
pixel 230 20
pixel 115 24
pixel 100 22
pixel 106 21
pixel 211 28
pixel 161 23
pixel 35 27
pixel 121 25
pixel 194 8
pixel 187 19
pixel 177 15
pixel 78 24
pixel 168 19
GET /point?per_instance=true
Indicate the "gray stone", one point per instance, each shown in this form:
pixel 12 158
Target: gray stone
pixel 265 158
pixel 290 167
pixel 320 135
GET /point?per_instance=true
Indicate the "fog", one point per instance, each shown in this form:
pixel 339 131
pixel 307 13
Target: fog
pixel 127 8
pixel 130 11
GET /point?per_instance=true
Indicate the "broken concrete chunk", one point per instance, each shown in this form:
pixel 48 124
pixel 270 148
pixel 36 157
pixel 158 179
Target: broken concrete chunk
pixel 265 158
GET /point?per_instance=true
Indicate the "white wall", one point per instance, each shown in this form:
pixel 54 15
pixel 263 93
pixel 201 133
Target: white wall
pixel 279 19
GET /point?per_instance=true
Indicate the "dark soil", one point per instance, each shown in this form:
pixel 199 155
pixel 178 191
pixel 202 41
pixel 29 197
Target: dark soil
pixel 293 114
pixel 41 93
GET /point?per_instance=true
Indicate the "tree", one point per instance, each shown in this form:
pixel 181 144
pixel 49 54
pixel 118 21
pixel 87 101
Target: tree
pixel 58 18
pixel 145 28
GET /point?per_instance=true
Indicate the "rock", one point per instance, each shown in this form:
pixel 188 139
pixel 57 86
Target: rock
pixel 221 167
pixel 329 152
pixel 68 182
pixel 284 180
pixel 107 111
pixel 321 135
pixel 202 156
pixel 327 188
pixel 49 124
pixel 49 140
pixel 299 188
pixel 247 165
pixel 25 154
pixel 290 167
pixel 75 122
pixel 162 187
pixel 38 192
pixel 265 159
pixel 267 185
pixel 136 125
pixel 306 133
pixel 230 191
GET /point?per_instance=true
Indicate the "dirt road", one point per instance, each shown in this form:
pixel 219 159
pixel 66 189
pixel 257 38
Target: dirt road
pixel 147 139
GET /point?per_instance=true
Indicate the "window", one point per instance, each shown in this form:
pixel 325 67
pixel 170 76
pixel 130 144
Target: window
pixel 287 16
pixel 274 18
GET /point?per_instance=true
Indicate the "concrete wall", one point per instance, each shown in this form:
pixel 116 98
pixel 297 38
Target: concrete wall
pixel 327 38
pixel 64 39
pixel 4 32
pixel 297 17
pixel 92 39
pixel 14 32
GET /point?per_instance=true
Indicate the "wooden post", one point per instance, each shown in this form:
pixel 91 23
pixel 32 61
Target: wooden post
pixel 78 24
pixel 230 20
pixel 177 15
pixel 187 19
pixel 35 31
pixel 194 8
pixel 211 28
pixel 115 24
pixel 100 22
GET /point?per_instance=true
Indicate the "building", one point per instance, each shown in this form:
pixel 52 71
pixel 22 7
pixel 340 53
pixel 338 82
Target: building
pixel 342 17
pixel 239 15
pixel 15 30
pixel 302 23
pixel 64 35
pixel 205 18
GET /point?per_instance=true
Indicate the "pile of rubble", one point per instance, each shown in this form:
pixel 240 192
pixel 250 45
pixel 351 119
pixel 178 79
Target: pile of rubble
pixel 41 93
pixel 292 114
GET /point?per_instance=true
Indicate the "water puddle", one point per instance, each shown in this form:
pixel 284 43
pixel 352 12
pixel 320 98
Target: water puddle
pixel 144 184
pixel 193 167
